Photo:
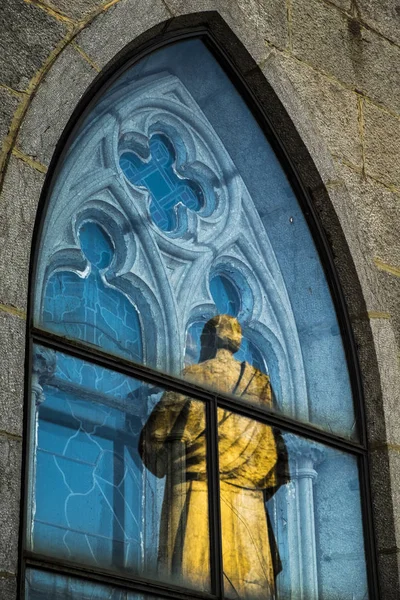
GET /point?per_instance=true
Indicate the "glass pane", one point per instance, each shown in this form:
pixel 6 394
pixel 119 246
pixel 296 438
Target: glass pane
pixel 41 585
pixel 86 308
pixel 159 177
pixel 171 208
pixel 108 490
pixel 291 517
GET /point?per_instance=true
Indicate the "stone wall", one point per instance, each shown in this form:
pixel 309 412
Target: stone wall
pixel 335 67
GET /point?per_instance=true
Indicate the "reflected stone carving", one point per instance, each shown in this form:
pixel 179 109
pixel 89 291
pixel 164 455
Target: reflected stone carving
pixel 186 228
pixel 162 267
pixel 304 455
pixel 158 269
pixel 252 465
pixel 44 366
pixel 162 174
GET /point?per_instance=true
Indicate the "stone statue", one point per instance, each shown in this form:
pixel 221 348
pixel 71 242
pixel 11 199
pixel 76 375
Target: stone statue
pixel 252 464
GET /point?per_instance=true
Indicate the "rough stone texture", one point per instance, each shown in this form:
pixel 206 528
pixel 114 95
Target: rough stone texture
pixel 358 214
pixel 390 289
pixel 384 16
pixel 119 26
pixel 10 485
pixel 76 9
pixel 343 4
pixel 335 213
pixel 329 40
pixel 382 145
pixel 390 381
pixel 372 55
pixel 388 565
pixel 8 586
pixel 372 392
pixel 27 36
pixel 333 108
pixel 53 105
pixel 376 209
pixel 21 191
pixel 301 116
pixel 382 499
pixel 321 36
pixel 8 104
pixel 394 463
pixel 253 21
pixel 12 340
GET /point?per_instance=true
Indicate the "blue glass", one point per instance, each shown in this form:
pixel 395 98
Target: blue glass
pixel 96 245
pixel 102 507
pixel 322 496
pixel 86 308
pixel 228 300
pixel 160 176
pixel 222 232
pixel 41 585
pixel 192 353
pixel 225 296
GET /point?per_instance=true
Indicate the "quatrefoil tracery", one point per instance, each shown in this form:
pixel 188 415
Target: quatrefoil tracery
pixel 161 175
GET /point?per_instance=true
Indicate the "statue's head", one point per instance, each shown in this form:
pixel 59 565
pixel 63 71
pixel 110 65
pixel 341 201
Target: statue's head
pixel 222 331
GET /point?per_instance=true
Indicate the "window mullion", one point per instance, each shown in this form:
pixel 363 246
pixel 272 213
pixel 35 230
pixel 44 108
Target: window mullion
pixel 216 565
pixel 152 589
pixel 170 382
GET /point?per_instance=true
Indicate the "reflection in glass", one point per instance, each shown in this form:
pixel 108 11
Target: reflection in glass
pixel 173 444
pixel 317 522
pixel 142 275
pixel 93 501
pixel 201 220
pixel 225 295
pixel 288 522
pixel 158 174
pixel 221 365
pixel 88 308
pixel 303 539
pixel 252 464
pixel 41 585
pixel 235 301
pixel 248 463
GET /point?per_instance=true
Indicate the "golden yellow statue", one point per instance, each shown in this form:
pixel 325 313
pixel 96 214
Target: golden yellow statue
pixel 252 463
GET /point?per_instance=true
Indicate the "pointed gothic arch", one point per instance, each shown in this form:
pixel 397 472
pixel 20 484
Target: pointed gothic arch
pixel 157 296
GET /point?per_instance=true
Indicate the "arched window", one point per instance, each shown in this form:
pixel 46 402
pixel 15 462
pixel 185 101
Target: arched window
pixel 193 429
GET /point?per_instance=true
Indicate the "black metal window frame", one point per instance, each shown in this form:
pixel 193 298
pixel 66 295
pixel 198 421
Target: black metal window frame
pixel 217 40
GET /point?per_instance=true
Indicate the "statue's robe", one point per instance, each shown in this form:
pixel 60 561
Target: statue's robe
pixel 252 463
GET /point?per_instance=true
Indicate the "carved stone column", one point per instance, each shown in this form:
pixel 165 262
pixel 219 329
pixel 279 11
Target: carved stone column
pixel 43 368
pixel 304 456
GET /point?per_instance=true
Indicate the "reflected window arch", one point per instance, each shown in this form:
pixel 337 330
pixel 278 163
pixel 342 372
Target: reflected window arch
pixel 210 227
pixel 86 308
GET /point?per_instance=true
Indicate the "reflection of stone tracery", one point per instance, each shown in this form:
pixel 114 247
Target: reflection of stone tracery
pixel 88 309
pixel 160 175
pixel 43 368
pixel 304 458
pixel 159 270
